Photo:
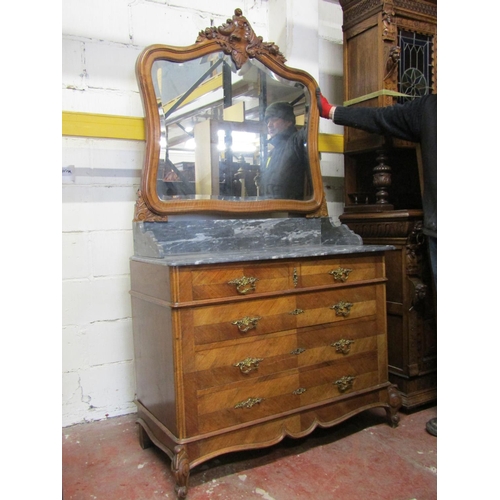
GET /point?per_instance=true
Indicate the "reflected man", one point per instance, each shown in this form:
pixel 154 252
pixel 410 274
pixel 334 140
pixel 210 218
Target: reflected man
pixel 285 174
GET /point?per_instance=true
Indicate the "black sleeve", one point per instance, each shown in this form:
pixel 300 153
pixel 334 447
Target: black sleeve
pixel 401 120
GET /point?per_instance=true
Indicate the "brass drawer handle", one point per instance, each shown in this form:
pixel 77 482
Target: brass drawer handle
pixel 248 364
pixel 295 312
pixel 299 350
pixel 342 308
pixel 345 383
pixel 340 274
pixel 249 403
pixel 343 345
pixel 246 323
pixel 244 284
pixel 299 391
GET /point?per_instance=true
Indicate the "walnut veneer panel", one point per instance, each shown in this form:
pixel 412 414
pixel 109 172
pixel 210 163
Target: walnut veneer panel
pixel 318 272
pixel 212 282
pixel 217 365
pixel 216 323
pixel 318 306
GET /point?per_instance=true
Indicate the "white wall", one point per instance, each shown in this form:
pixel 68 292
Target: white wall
pixel 101 41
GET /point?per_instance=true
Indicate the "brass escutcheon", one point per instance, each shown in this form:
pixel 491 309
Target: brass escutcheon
pixel 295 277
pixel 345 383
pixel 249 403
pixel 299 350
pixel 246 323
pixel 299 391
pixel 340 274
pixel 343 345
pixel 296 311
pixel 248 364
pixel 244 284
pixel 342 308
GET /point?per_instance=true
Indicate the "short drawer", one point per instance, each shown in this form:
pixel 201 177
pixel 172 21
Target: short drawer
pixel 240 363
pixel 354 373
pixel 257 399
pixel 339 270
pixel 335 342
pixel 241 320
pixel 338 305
pixel 234 280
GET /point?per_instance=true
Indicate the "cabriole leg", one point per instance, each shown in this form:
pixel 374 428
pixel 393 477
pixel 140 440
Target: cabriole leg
pixel 180 469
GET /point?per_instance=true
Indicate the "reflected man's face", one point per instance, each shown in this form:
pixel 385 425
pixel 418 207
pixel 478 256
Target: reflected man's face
pixel 276 125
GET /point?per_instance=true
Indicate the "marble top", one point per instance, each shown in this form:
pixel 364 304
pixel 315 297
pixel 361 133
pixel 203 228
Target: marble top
pixel 182 243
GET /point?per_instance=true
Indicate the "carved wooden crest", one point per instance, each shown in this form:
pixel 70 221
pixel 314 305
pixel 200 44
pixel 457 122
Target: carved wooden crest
pixel 237 38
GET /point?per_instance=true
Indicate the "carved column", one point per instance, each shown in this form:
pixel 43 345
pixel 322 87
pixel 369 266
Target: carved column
pixel 382 178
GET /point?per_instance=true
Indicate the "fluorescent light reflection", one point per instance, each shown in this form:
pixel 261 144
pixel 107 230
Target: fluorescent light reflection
pixel 242 142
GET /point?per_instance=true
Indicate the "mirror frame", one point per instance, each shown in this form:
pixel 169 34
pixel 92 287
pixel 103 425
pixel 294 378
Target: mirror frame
pixel 237 38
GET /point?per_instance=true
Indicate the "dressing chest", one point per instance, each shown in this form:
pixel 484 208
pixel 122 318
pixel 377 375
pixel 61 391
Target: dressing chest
pixel 254 317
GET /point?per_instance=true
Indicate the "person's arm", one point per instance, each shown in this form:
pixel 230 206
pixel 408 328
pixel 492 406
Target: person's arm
pixel 401 120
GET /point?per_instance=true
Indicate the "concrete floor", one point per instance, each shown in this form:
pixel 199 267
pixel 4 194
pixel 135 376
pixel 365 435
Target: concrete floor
pixel 362 458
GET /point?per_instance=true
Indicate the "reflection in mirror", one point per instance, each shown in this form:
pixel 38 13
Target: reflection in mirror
pixel 223 136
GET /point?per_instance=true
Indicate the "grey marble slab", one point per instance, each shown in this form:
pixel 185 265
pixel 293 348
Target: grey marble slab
pixel 178 243
pixel 256 255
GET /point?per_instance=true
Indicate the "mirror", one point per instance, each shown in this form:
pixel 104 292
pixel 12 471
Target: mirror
pixel 229 127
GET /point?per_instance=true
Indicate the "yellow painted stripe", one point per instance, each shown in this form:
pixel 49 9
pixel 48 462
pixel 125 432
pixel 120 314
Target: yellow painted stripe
pixel 378 93
pixel 131 127
pixel 106 126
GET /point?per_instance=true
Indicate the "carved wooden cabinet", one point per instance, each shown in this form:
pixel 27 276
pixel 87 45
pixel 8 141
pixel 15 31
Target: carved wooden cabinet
pixel 411 318
pixel 238 355
pixel 390 52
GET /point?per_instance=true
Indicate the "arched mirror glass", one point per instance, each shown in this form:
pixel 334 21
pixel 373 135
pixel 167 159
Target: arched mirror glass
pixel 230 128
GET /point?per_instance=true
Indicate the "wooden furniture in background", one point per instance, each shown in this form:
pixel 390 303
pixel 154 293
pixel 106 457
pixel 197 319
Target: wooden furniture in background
pixel 390 56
